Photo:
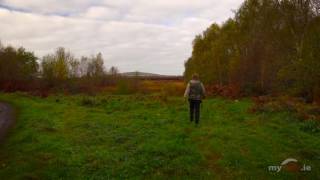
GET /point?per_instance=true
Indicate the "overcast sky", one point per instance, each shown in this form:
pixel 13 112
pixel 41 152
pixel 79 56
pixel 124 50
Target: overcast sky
pixel 144 35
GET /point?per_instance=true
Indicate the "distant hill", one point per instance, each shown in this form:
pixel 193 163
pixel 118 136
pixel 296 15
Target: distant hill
pixel 150 76
pixel 141 74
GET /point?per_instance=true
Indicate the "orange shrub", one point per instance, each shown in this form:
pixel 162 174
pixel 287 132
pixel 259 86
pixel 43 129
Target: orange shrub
pixel 229 91
pixel 166 87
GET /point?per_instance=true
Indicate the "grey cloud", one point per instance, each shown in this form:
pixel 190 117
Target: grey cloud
pixel 153 36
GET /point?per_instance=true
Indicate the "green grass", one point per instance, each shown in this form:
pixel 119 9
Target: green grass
pixel 144 137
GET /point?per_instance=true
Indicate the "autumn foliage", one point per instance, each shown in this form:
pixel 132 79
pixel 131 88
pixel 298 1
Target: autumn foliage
pixel 269 47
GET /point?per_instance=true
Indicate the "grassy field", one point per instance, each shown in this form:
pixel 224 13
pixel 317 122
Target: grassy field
pixel 150 137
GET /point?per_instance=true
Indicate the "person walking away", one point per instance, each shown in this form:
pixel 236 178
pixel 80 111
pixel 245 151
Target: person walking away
pixel 195 92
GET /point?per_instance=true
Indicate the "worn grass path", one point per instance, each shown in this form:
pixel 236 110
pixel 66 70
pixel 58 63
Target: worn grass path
pixel 147 137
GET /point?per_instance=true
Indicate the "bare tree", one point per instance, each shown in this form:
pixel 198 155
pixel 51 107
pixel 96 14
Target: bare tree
pixel 114 71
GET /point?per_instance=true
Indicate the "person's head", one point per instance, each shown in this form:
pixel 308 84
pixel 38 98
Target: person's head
pixel 195 76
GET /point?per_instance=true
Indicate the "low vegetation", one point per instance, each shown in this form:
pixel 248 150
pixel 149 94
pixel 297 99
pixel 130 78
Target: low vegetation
pixel 145 136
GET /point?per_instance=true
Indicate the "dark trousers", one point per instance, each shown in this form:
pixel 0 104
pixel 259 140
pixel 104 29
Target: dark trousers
pixel 194 110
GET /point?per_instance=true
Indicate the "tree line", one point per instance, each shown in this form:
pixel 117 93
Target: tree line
pixel 22 70
pixel 268 47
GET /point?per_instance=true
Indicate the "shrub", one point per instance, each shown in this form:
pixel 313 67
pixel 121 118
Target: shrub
pixel 229 91
pixel 88 101
pixel 302 110
pixel 128 86
pixel 310 126
pixel 171 89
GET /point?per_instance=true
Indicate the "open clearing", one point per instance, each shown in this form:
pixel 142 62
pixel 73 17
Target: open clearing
pixel 150 137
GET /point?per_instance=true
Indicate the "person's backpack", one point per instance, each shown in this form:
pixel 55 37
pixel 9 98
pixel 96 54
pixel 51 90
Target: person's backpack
pixel 195 91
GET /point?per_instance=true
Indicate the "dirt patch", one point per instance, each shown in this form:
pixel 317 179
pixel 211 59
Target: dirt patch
pixel 6 119
pixel 211 162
